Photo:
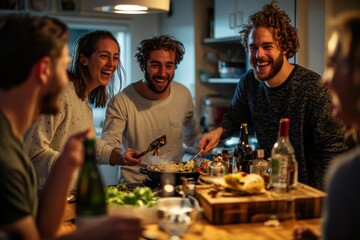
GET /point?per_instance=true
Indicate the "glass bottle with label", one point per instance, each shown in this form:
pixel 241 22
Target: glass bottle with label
pixel 284 169
pixel 246 155
pixel 260 165
pixel 90 202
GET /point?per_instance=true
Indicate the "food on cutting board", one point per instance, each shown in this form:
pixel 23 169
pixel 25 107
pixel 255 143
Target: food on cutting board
pixel 242 181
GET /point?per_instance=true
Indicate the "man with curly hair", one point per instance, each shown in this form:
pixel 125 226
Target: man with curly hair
pixel 273 89
pixel 152 106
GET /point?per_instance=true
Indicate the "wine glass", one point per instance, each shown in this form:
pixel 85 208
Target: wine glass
pixel 175 216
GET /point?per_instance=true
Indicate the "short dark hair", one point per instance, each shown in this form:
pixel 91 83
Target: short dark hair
pixel 278 23
pixel 87 44
pixel 24 40
pixel 160 42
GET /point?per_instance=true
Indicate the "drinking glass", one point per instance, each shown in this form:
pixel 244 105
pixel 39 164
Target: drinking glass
pixel 175 215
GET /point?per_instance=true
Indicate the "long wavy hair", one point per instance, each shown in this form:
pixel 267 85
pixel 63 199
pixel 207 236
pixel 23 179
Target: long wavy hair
pixel 347 25
pixel 278 23
pixel 80 75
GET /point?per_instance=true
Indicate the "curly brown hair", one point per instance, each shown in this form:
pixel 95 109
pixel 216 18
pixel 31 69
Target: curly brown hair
pixel 164 42
pixel 278 23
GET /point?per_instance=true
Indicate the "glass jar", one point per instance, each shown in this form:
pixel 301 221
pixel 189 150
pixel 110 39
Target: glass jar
pixel 217 168
pixel 260 165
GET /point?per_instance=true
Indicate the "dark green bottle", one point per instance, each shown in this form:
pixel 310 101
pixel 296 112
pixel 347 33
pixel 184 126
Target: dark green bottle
pixel 90 201
pixel 246 154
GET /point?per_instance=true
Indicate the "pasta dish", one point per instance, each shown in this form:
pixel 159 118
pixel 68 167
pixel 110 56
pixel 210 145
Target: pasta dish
pixel 173 167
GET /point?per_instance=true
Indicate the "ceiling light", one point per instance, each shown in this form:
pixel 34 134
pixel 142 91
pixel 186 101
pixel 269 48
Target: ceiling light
pixel 132 6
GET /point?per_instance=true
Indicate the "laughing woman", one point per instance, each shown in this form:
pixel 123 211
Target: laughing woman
pixel 96 57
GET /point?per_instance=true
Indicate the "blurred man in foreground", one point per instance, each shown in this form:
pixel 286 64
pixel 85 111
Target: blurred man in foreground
pixel 33 62
pixel 342 77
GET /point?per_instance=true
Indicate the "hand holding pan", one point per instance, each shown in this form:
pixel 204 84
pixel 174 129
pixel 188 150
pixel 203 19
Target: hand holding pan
pixel 154 146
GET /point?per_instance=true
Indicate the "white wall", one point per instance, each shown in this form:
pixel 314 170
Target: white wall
pixel 182 17
pixel 311 27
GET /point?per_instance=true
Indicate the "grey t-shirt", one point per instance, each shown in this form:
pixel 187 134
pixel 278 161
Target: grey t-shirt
pixel 18 194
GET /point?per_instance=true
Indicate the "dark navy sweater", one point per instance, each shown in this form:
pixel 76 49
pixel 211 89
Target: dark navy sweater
pixel 315 135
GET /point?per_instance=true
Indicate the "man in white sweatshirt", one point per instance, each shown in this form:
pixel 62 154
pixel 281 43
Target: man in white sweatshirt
pixel 152 106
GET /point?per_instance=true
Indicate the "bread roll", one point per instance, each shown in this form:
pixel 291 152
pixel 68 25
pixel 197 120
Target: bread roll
pixel 250 183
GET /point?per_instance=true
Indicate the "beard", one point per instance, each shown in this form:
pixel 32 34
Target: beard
pixel 50 104
pixel 50 101
pixel 151 79
pixel 275 67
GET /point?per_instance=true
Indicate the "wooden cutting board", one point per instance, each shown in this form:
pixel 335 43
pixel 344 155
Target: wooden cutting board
pixel 306 201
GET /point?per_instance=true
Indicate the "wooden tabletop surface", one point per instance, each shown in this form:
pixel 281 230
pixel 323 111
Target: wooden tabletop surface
pixel 203 230
pixel 251 231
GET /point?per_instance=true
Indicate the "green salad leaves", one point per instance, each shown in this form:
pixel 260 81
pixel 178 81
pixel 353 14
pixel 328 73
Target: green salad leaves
pixel 140 196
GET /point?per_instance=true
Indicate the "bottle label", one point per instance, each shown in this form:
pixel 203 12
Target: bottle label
pixel 279 174
pixel 275 167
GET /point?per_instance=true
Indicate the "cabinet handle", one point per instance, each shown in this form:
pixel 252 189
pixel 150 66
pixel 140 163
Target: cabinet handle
pixel 239 18
pixel 232 20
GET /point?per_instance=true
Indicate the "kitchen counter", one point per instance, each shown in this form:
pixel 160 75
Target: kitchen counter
pixel 249 231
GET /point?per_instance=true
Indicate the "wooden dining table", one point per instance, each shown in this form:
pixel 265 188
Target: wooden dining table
pixel 204 230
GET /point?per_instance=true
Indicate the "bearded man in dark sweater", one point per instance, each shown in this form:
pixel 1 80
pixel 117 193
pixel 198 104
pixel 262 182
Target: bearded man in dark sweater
pixel 273 89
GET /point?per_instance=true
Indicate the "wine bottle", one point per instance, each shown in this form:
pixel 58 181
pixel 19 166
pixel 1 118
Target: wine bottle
pixel 90 202
pixel 284 170
pixel 246 154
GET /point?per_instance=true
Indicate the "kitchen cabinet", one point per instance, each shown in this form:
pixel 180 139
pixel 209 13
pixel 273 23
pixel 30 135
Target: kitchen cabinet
pixel 223 49
pixel 229 15
pixel 226 18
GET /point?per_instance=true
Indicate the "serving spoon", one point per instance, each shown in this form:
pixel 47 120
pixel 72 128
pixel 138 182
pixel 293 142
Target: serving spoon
pixel 155 145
